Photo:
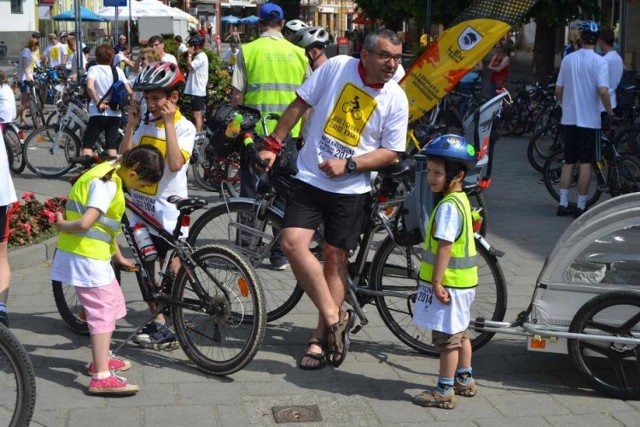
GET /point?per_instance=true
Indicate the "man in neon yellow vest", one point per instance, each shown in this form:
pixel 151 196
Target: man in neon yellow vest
pixel 448 271
pixel 267 73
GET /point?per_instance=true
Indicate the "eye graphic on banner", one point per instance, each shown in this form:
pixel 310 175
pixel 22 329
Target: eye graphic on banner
pixel 469 38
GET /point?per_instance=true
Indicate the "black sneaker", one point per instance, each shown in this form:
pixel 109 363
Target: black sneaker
pixel 4 318
pixel 564 211
pixel 577 212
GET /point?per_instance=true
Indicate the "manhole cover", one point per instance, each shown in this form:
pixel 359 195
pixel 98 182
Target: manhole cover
pixel 296 414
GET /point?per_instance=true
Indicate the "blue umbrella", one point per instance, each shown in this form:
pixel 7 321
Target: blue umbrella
pixel 230 19
pixel 252 19
pixel 85 15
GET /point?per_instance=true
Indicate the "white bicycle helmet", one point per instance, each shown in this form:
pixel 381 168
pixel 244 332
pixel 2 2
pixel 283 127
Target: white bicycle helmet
pixel 589 31
pixel 295 25
pixel 311 37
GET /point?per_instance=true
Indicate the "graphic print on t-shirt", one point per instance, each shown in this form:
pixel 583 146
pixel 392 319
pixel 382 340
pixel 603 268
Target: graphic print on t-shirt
pixel 55 53
pixel 350 115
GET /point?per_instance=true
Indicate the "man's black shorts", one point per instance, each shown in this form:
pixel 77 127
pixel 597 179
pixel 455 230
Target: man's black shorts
pixel 342 214
pixel 581 145
pixel 98 124
pixel 198 103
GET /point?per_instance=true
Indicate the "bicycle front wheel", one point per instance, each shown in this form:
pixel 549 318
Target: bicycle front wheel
pixel 624 176
pixel 256 236
pixel 218 310
pixel 14 150
pixel 47 151
pixel 395 269
pixel 552 173
pixel 17 382
pixel 544 143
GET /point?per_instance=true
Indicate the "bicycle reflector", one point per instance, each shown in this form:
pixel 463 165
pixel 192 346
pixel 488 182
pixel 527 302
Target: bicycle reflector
pixel 185 221
pixel 484 183
pixel 242 284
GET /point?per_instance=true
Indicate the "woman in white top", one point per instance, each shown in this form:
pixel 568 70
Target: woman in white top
pixel 7 197
pixel 102 117
pixel 7 100
pixel 25 76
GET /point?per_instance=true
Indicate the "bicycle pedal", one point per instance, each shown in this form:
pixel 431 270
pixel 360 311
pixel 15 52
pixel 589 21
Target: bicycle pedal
pixel 356 329
pixel 130 269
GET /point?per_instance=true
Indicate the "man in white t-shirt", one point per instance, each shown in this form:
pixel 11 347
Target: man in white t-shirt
pixel 583 82
pixel 197 78
pixel 358 124
pixel 614 63
pixel 56 53
pixel 231 54
pixel 157 43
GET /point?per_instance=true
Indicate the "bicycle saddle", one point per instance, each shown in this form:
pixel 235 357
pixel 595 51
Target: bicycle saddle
pixel 403 167
pixel 192 203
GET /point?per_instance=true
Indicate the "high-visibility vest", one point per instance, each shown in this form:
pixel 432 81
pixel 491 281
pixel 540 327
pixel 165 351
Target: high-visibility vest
pixel 462 270
pixel 99 241
pixel 275 69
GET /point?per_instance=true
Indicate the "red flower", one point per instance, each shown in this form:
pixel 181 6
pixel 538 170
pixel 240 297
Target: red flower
pixel 28 196
pixel 49 215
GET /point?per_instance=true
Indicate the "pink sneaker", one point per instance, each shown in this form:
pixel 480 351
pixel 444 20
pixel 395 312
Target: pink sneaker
pixel 113 384
pixel 116 364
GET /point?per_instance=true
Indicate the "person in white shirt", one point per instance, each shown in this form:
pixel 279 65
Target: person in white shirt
pixel 121 60
pixel 101 117
pixel 197 79
pixel 358 124
pixel 231 54
pixel 72 45
pixel 26 63
pixel 182 48
pixel 83 63
pixel 56 53
pixel 7 100
pixel 614 63
pixel 583 82
pixel 157 43
pixel 7 198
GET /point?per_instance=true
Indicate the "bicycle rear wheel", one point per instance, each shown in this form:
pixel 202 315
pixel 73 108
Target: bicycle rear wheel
pixel 394 269
pixel 17 382
pixel 239 224
pixel 544 143
pixel 47 151
pixel 625 176
pixel 14 150
pixel 221 325
pixel 552 173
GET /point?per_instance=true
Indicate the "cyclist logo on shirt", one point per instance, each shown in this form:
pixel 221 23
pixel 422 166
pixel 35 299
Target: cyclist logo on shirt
pixel 55 53
pixel 350 115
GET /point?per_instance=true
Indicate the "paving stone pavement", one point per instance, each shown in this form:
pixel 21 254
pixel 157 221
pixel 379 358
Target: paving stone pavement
pixel 376 382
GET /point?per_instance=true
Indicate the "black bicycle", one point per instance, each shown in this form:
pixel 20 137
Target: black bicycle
pixel 215 299
pixel 17 382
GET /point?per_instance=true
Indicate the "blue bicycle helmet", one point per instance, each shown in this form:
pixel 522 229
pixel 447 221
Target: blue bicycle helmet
pixel 455 150
pixel 589 31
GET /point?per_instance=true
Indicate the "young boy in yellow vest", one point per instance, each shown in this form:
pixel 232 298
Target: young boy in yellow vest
pixel 163 126
pixel 85 247
pixel 448 272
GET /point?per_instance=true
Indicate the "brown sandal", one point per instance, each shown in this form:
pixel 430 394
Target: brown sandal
pixel 320 357
pixel 338 337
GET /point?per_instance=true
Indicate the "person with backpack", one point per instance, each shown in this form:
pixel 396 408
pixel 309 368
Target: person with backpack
pixel 107 87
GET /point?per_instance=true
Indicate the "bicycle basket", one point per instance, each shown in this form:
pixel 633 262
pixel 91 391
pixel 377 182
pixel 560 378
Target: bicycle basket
pixel 217 123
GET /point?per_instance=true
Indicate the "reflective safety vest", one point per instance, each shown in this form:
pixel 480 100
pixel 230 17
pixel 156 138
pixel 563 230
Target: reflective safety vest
pixel 99 241
pixel 462 270
pixel 275 69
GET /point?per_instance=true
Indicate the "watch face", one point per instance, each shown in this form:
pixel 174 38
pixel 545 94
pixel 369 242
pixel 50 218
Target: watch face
pixel 351 165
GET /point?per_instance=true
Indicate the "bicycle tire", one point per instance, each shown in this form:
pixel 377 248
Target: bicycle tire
pixel 14 150
pixel 543 143
pixel 480 202
pixel 18 381
pixel 552 172
pixel 610 374
pixel 200 171
pixel 69 308
pixel 230 322
pixel 36 117
pixel 624 176
pixel 508 120
pixel 39 156
pixel 627 141
pixel 218 225
pixel 390 272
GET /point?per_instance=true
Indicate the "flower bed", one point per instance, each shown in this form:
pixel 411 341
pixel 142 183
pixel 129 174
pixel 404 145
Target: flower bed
pixel 32 221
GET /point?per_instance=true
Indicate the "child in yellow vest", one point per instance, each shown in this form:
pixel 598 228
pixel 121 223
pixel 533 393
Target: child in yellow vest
pixel 448 272
pixel 86 244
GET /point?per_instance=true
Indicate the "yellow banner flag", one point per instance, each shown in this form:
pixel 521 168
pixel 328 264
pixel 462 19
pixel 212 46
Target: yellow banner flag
pixel 437 71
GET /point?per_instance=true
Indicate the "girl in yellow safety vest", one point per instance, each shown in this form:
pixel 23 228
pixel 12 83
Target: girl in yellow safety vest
pixel 86 244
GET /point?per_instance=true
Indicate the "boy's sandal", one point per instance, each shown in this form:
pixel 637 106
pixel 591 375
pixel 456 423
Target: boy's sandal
pixel 338 337
pixel 319 357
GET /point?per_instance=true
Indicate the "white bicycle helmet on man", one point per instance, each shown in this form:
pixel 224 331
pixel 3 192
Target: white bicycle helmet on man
pixel 292 27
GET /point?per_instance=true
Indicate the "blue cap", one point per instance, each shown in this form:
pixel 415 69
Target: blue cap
pixel 271 11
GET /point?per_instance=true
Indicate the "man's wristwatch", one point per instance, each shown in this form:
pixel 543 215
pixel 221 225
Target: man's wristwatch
pixel 351 165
